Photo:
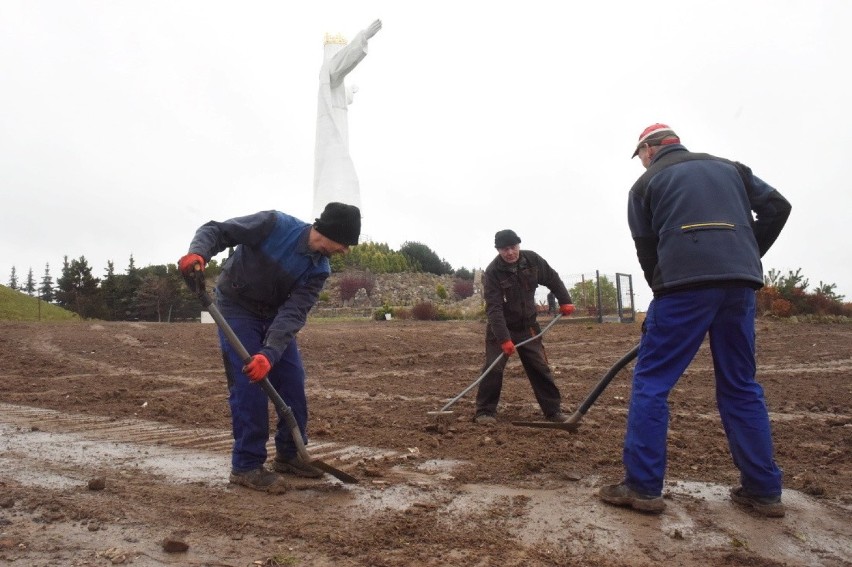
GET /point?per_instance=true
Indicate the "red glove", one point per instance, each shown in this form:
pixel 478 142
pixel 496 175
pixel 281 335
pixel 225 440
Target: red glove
pixel 257 368
pixel 566 309
pixel 508 348
pixel 187 263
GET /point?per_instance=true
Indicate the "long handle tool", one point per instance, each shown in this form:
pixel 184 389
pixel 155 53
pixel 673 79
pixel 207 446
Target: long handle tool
pixel 196 284
pixel 444 411
pixel 572 423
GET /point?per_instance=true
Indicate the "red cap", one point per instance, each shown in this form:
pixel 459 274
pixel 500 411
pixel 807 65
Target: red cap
pixel 654 135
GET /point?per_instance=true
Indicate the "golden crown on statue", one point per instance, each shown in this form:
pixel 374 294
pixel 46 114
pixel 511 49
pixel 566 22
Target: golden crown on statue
pixel 334 38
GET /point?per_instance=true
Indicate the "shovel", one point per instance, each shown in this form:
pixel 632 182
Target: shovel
pixel 196 284
pixel 444 411
pixel 573 421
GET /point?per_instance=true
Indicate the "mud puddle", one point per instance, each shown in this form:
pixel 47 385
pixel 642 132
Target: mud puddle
pixel 58 452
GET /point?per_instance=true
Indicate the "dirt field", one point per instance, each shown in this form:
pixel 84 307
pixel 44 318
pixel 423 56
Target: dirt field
pixel 115 447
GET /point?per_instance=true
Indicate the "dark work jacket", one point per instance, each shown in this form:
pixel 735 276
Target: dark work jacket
pixel 510 292
pixel 272 273
pixel 690 216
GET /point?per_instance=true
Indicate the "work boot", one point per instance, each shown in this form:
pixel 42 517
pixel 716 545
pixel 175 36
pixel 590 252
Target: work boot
pixel 557 417
pixel 294 465
pixel 769 506
pixel 485 419
pixel 622 495
pixel 259 479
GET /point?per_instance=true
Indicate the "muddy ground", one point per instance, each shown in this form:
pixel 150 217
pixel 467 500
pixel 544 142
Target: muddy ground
pixel 114 449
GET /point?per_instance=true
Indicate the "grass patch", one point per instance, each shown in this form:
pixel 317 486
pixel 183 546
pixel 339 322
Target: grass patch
pixel 17 306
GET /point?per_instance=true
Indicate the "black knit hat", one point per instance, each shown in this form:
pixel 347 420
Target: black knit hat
pixel 505 238
pixel 341 223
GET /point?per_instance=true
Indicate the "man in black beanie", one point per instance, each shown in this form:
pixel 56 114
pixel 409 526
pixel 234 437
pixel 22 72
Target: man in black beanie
pixel 266 288
pixel 510 282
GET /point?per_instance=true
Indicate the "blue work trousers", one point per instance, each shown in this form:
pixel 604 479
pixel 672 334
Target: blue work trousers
pixel 250 403
pixel 675 327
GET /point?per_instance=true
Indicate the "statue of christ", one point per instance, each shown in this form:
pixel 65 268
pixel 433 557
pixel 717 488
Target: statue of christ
pixel 334 173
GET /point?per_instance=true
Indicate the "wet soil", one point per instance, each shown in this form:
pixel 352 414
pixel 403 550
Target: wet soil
pixel 115 449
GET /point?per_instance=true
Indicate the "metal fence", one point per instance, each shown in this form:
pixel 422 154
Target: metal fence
pixel 602 297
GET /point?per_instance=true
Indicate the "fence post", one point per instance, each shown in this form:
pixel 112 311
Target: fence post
pixel 600 298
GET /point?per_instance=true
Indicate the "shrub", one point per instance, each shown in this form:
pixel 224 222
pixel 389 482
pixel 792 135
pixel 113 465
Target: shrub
pixel 351 283
pixel 819 304
pixel 788 295
pixel 385 309
pixel 425 311
pixel 402 313
pixel 450 315
pixel 441 291
pixel 323 296
pixel 764 299
pixel 781 308
pixel 463 288
pixel 349 286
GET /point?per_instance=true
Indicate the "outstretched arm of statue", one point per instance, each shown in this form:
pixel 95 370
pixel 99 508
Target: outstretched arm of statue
pixel 373 29
pixel 347 58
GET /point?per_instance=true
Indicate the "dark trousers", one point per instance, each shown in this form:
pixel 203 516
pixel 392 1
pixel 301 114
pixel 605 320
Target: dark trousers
pixel 250 404
pixel 534 361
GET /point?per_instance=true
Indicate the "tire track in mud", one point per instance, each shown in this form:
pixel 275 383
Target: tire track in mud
pixel 168 440
pixel 156 436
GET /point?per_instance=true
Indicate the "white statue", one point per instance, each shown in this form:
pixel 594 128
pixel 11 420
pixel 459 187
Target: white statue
pixel 334 173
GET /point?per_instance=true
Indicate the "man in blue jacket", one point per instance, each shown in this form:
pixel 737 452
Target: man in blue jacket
pixel 265 290
pixel 700 247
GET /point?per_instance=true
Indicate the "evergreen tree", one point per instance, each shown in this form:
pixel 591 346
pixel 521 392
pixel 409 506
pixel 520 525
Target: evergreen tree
pixel 30 286
pixel 829 291
pixel 128 290
pixel 111 293
pixel 13 279
pixel 378 258
pixel 46 289
pixel 78 289
pixel 422 256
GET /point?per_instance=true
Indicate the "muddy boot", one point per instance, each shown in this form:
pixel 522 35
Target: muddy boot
pixel 621 495
pixel 296 466
pixel 769 506
pixel 557 417
pixel 485 419
pixel 259 479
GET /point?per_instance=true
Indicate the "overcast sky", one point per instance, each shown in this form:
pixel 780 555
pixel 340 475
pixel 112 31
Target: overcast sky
pixel 124 125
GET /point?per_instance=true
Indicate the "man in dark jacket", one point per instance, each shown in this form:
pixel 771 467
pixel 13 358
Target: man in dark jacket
pixel 510 283
pixel 265 290
pixel 699 246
